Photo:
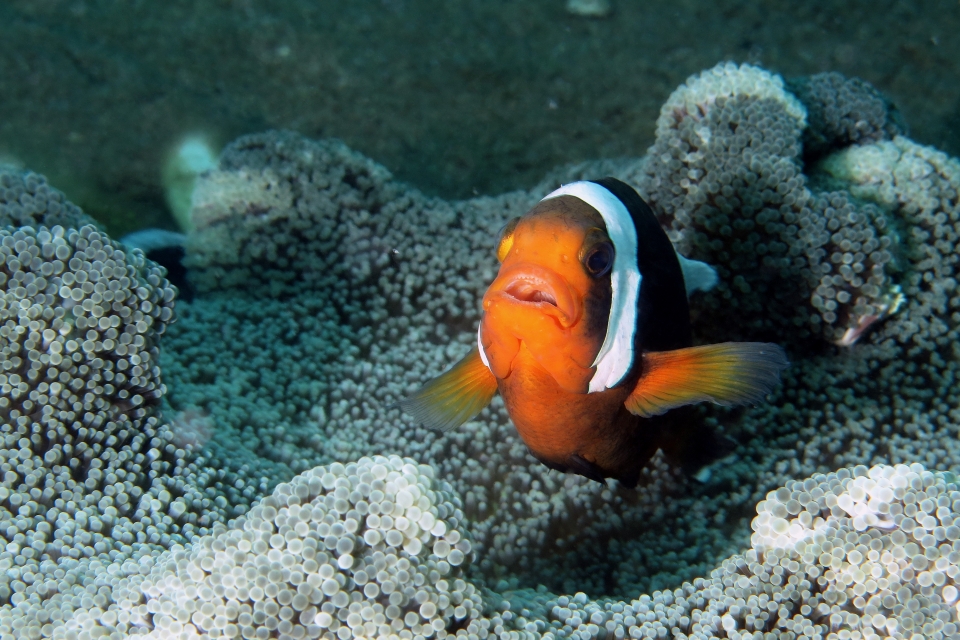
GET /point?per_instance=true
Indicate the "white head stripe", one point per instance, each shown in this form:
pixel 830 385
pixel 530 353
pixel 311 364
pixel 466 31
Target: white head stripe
pixel 615 357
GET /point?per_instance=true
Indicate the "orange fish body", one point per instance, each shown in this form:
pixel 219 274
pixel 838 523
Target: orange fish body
pixel 571 431
pixel 586 335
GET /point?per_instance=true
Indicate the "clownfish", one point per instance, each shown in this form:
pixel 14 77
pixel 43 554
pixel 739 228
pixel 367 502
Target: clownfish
pixel 586 334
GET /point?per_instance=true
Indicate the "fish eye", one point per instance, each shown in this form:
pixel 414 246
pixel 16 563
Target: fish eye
pixel 506 238
pixel 598 259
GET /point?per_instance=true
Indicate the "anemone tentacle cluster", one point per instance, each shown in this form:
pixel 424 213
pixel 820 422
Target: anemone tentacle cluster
pixel 843 112
pixel 371 547
pixel 27 200
pixel 268 487
pixel 79 384
pixel 726 177
pixel 919 188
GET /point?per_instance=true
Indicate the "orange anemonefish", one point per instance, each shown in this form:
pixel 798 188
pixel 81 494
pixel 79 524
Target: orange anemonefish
pixel 586 334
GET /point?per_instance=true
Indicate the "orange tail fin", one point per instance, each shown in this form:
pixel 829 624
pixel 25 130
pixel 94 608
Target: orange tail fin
pixel 729 373
pixel 453 397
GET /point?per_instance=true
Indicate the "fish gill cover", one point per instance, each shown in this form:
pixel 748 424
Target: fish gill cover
pixel 277 492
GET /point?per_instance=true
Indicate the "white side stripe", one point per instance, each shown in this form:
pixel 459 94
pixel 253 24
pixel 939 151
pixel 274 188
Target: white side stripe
pixel 483 355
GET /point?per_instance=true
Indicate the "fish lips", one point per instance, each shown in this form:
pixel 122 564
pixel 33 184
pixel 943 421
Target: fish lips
pixel 537 288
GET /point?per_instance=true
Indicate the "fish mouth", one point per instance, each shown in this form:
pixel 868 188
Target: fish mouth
pixel 538 288
pixel 527 291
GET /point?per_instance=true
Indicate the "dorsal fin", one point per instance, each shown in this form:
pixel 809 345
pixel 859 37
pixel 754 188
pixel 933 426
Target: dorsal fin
pixel 697 276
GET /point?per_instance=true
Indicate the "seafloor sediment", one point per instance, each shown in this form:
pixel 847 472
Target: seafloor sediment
pixel 459 98
pixel 266 485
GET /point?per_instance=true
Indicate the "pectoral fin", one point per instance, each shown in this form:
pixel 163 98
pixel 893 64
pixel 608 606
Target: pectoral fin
pixel 729 373
pixel 453 397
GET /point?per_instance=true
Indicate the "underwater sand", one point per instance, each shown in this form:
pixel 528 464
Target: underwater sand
pixel 456 97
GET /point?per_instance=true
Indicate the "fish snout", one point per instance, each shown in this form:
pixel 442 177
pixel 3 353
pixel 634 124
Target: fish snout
pixel 539 288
